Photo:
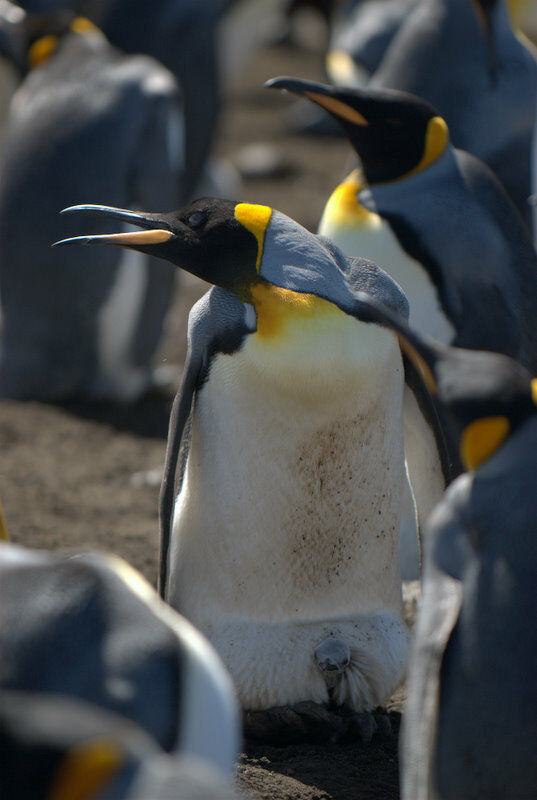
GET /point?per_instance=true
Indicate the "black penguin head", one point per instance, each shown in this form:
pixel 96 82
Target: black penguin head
pixel 394 133
pixel 219 241
pixel 29 39
pixel 487 395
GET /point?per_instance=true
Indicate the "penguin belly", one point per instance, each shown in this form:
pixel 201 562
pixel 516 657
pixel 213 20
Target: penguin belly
pixel 373 238
pixel 286 527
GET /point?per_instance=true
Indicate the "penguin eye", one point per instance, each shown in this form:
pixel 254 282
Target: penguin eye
pixel 197 219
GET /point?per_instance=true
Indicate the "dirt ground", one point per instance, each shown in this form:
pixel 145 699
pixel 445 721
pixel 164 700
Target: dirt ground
pixel 74 476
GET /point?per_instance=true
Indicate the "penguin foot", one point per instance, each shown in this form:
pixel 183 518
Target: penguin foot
pixel 313 722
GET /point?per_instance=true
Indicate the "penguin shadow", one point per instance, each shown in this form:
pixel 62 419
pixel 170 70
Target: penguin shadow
pixel 147 417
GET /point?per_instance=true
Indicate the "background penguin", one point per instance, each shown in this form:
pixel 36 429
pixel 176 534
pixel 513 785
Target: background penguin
pixel 89 119
pixel 100 634
pixel 464 58
pixel 472 673
pixel 185 41
pixel 52 746
pixel 436 218
pixel 440 222
pixel 361 32
pixel 284 546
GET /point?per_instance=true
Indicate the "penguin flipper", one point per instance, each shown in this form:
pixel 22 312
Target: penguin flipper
pixel 217 324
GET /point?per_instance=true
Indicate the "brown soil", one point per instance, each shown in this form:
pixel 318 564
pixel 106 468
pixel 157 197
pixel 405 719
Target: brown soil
pixel 69 475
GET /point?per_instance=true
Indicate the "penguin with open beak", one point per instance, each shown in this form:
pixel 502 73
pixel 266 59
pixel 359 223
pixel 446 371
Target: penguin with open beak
pixel 473 667
pixel 284 542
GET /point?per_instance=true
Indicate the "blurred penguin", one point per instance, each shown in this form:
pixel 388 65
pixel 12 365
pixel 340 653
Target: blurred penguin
pixel 78 750
pixel 100 634
pixel 362 31
pixel 465 59
pixel 473 667
pixel 86 119
pixel 185 39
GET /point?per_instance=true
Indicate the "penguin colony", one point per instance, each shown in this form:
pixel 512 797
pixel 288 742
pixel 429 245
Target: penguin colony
pixel 329 377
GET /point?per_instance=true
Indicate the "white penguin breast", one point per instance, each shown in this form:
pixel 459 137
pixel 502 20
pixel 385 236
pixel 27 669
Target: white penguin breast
pixel 291 497
pixel 376 241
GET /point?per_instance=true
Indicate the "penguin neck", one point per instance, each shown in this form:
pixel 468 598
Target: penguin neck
pixel 309 349
pixel 44 48
pixel 353 223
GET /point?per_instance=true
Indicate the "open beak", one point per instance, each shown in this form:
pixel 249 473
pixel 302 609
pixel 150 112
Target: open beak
pixel 157 230
pixel 323 95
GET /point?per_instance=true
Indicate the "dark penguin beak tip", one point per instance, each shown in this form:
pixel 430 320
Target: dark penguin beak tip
pixel 297 86
pixel 139 218
pixel 157 230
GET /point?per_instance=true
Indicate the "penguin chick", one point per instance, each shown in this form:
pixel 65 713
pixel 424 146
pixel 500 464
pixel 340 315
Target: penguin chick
pixel 86 118
pixel 285 527
pixel 473 668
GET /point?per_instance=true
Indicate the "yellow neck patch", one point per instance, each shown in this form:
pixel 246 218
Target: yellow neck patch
pixel 275 307
pixel 255 219
pixel 343 207
pixel 481 438
pixel 436 141
pixel 534 390
pixel 86 769
pixel 42 49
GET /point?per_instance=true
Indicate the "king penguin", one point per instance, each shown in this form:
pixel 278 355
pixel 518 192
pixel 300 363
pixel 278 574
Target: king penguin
pixel 289 419
pixel 360 33
pixel 473 669
pixel 56 746
pixel 185 39
pixel 435 217
pixel 88 627
pixel 465 59
pixel 442 225
pixel 86 118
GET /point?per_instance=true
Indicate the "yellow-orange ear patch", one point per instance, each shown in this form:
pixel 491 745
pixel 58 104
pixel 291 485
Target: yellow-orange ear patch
pixel 255 219
pixel 481 438
pixel 534 390
pixel 338 107
pixel 436 141
pixel 83 25
pixel 41 50
pixel 86 769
